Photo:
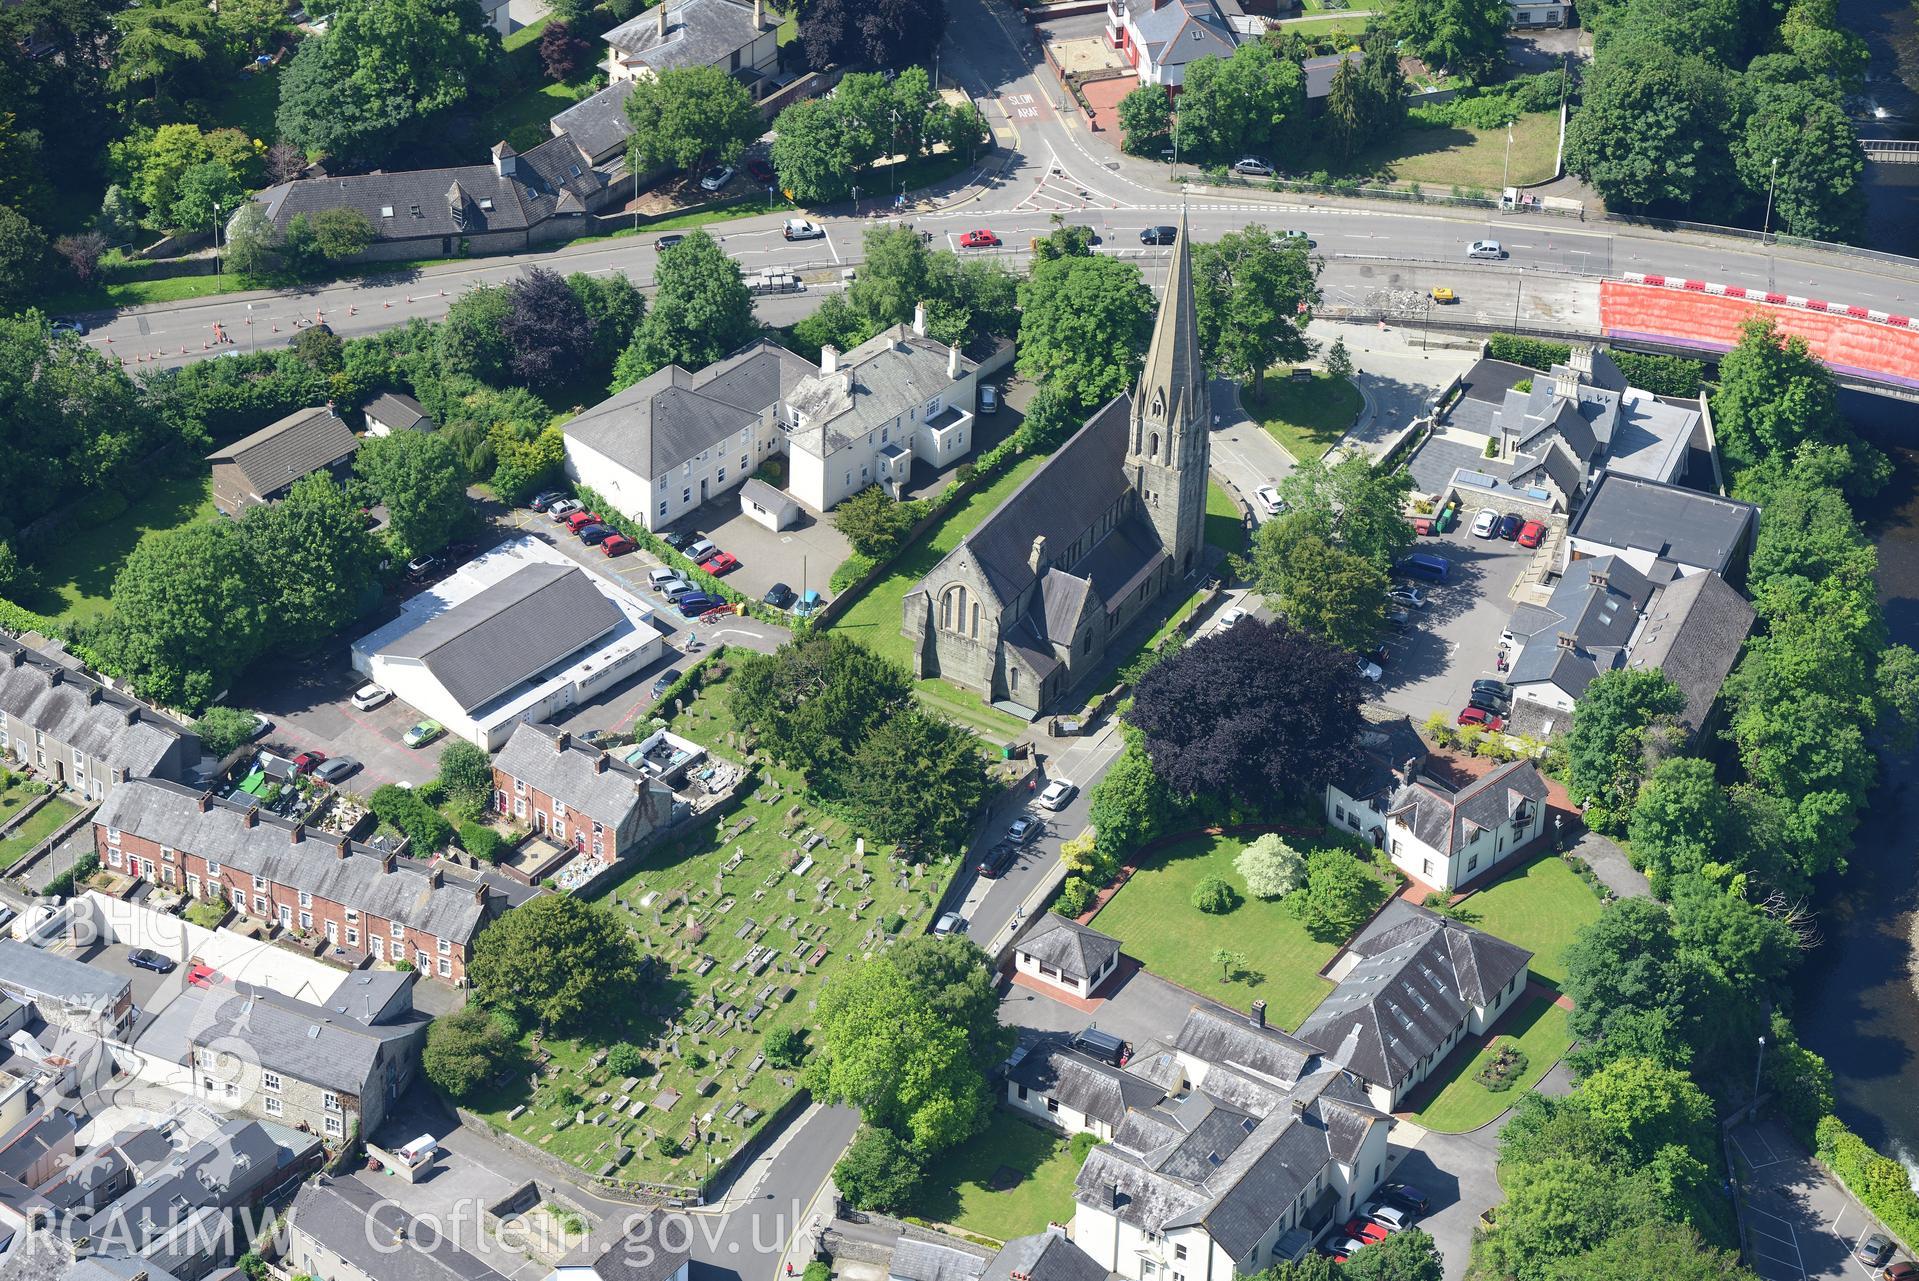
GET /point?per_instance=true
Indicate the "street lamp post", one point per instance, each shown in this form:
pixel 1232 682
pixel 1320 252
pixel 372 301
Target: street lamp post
pixel 1758 1065
pixel 1765 233
pixel 216 238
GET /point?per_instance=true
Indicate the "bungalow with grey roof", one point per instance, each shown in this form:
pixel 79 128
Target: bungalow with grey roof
pixel 1062 953
pixel 262 467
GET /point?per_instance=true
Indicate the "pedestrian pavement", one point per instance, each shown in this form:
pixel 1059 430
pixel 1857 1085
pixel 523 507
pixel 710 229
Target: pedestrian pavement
pixel 1611 865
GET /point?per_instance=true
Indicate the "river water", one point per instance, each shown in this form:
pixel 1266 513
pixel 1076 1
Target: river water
pixel 1856 1000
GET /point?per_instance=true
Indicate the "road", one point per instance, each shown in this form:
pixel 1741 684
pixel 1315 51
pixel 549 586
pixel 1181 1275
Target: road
pixel 1374 252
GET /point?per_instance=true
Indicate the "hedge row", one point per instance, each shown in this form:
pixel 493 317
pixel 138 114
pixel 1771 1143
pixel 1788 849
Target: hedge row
pixel 1880 1182
pixel 423 825
pixel 1533 353
pixel 1661 375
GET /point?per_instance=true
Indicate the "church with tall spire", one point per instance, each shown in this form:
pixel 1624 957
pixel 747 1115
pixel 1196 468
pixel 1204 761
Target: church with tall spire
pixel 1029 602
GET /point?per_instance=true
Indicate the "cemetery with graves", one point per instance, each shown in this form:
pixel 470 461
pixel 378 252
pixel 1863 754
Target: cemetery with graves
pixel 745 916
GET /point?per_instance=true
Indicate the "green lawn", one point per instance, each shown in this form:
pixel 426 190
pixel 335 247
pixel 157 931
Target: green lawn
pixel 1453 155
pixel 522 119
pixel 874 619
pixel 719 893
pixel 1154 917
pixel 1306 418
pixel 1343 28
pixel 43 823
pixel 1038 1165
pixel 78 566
pixel 249 105
pixel 1463 1103
pixel 1540 907
pixel 12 798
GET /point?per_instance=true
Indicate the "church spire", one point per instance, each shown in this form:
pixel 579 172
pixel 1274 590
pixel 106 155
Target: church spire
pixel 1173 369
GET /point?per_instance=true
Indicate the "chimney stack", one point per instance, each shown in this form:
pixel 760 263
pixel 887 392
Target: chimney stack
pixel 1598 578
pixel 296 833
pixel 562 741
pixel 1568 641
pixel 55 675
pixel 132 713
pixel 479 895
pixel 952 363
pixel 829 359
pixel 252 818
pixel 599 763
pixel 1259 1014
pixel 435 879
pixel 759 14
pixel 1036 559
pixel 660 11
pixel 386 863
pixel 342 849
pixel 93 695
pixel 919 319
pixel 206 801
pixel 16 655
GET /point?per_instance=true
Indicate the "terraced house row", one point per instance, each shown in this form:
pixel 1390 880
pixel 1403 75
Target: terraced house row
pixel 272 868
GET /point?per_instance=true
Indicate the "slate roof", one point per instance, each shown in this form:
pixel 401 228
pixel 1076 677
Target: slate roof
pixel 36 973
pixel 771 498
pixel 172 815
pixel 71 708
pixel 1176 33
pixel 596 783
pixel 1418 977
pixel 299 444
pixel 510 632
pixel 1221 1037
pixel 598 124
pixel 672 416
pixel 377 1237
pixel 298 1040
pixel 465 200
pixel 1692 632
pixel 399 411
pixel 1597 603
pixel 1063 498
pixel 648 1252
pixel 699 33
pixel 1444 819
pixel 215 1174
pixel 892 373
pixel 1320 71
pixel 1677 524
pixel 1386 744
pixel 1046 1256
pixel 1075 950
pixel 1054 1069
pixel 916 1260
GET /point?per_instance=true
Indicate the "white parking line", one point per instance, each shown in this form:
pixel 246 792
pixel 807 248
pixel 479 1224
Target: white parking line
pixel 1791 1238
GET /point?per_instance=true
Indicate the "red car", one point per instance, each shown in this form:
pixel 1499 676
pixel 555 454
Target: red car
pixel 305 761
pixel 580 520
pixel 720 563
pixel 203 975
pixel 1531 533
pixel 1481 717
pixel 618 545
pixel 1365 1230
pixel 980 239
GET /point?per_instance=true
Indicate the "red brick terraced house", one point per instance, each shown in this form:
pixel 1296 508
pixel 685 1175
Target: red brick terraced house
pixel 271 868
pixel 575 794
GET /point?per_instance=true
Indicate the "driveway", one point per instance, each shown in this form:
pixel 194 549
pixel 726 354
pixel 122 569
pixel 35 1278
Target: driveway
pixel 1456 1172
pixel 151 992
pixel 1454 641
pixel 801 557
pixel 1245 455
pixel 309 704
pixel 1801 1224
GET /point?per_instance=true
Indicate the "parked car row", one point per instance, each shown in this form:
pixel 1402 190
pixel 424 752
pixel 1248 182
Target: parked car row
pixel 1511 527
pixel 1394 1208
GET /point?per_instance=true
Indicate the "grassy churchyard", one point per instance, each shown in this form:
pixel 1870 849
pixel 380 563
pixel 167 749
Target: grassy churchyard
pixel 751 917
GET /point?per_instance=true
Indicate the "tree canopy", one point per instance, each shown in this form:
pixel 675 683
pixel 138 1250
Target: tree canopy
pixel 1241 105
pixel 688 116
pixel 701 311
pixel 1252 714
pixel 1084 326
pixel 907 1035
pixel 1253 294
pixel 557 960
pixel 420 479
pixel 1621 726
